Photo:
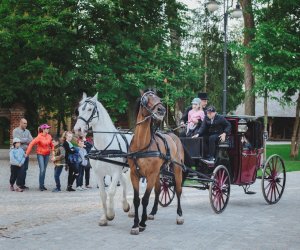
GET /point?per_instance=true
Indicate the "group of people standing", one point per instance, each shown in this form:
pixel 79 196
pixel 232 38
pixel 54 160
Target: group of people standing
pixel 201 120
pixel 60 150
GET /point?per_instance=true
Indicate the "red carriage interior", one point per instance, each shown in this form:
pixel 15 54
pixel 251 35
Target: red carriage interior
pixel 244 161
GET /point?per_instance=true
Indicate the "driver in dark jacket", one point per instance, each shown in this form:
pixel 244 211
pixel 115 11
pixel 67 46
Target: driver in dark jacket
pixel 216 127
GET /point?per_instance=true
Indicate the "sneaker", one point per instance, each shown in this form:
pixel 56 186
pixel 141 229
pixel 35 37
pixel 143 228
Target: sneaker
pixel 12 188
pixel 55 190
pixel 24 187
pixel 79 188
pixel 210 160
pixel 70 189
pixel 88 186
pixel 41 189
pixel 44 188
pixel 83 188
pixel 18 189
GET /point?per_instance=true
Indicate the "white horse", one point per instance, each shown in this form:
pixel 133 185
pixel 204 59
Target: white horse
pixel 93 114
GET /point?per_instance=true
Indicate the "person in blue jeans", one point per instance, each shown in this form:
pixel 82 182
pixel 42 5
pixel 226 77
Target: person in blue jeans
pixel 59 161
pixel 44 148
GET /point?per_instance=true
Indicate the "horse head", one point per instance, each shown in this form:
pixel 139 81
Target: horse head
pixel 151 106
pixel 88 114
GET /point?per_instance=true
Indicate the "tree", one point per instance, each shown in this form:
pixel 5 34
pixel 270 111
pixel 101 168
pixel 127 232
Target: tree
pixel 249 79
pixel 276 50
pixel 44 59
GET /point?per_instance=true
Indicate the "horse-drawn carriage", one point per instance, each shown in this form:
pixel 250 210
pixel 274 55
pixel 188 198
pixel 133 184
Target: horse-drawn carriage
pixel 161 158
pixel 239 161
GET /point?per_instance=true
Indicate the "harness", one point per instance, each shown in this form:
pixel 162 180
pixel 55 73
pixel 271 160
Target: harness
pixel 95 111
pixel 105 154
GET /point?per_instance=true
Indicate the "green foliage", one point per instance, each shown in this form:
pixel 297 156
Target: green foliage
pixel 52 51
pixel 276 48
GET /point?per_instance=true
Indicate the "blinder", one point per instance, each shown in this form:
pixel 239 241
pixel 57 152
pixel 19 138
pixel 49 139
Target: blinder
pixel 95 110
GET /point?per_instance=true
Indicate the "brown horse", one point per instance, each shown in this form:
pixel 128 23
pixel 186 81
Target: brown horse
pixel 149 151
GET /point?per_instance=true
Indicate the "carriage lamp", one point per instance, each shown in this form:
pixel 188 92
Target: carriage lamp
pixel 242 126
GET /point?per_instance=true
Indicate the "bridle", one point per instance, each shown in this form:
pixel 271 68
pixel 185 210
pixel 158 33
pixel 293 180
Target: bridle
pixel 95 111
pixel 144 104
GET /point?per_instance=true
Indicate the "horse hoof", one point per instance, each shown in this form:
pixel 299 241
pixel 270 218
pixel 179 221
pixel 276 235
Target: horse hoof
pixel 126 209
pixel 142 229
pixel 131 214
pixel 103 223
pixel 135 231
pixel 110 217
pixel 180 221
pixel 150 217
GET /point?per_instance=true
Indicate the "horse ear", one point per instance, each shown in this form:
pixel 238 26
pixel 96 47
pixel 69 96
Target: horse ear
pixel 96 96
pixel 84 95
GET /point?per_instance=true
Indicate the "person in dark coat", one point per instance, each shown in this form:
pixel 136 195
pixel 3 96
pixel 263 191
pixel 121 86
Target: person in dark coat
pixel 215 127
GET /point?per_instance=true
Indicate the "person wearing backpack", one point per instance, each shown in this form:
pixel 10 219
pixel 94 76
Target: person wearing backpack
pixel 71 153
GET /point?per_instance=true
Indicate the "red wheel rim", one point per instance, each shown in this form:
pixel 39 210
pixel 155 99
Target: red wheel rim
pixel 220 190
pixel 273 179
pixel 167 193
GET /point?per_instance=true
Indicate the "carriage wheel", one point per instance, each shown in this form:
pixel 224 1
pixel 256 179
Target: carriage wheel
pixel 167 191
pixel 219 189
pixel 273 179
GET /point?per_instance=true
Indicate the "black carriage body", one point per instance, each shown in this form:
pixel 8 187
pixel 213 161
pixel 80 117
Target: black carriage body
pixel 241 159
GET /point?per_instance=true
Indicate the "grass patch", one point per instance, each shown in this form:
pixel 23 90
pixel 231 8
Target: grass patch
pixel 284 152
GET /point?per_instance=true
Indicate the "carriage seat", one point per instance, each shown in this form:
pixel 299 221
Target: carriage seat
pixel 228 143
pixel 193 146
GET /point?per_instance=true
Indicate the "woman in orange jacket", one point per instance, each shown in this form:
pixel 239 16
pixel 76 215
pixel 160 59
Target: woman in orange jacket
pixel 44 148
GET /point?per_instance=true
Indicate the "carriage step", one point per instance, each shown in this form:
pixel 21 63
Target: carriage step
pixel 250 192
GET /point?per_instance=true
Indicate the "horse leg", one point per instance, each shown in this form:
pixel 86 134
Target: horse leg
pixel 157 190
pixel 111 194
pixel 126 206
pixel 103 219
pixel 178 188
pixel 145 201
pixel 136 201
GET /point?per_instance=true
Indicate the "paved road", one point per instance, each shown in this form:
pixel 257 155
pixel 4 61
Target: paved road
pixel 46 220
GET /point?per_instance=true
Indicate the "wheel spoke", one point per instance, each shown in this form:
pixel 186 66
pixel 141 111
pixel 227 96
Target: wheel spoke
pixel 278 190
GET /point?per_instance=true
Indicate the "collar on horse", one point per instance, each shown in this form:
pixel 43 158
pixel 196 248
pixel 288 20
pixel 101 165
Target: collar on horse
pixel 95 111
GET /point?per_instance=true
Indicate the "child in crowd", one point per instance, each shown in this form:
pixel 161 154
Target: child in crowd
pixel 59 161
pixel 17 159
pixel 88 144
pixel 72 165
pixel 195 117
pixel 82 164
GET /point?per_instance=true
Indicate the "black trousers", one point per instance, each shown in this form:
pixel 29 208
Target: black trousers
pixel 87 170
pixel 14 173
pixel 73 173
pixel 212 140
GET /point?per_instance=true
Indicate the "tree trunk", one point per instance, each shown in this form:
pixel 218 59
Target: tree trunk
pixel 296 132
pixel 249 79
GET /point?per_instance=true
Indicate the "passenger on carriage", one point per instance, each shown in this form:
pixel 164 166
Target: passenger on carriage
pixel 204 98
pixel 214 128
pixel 195 117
